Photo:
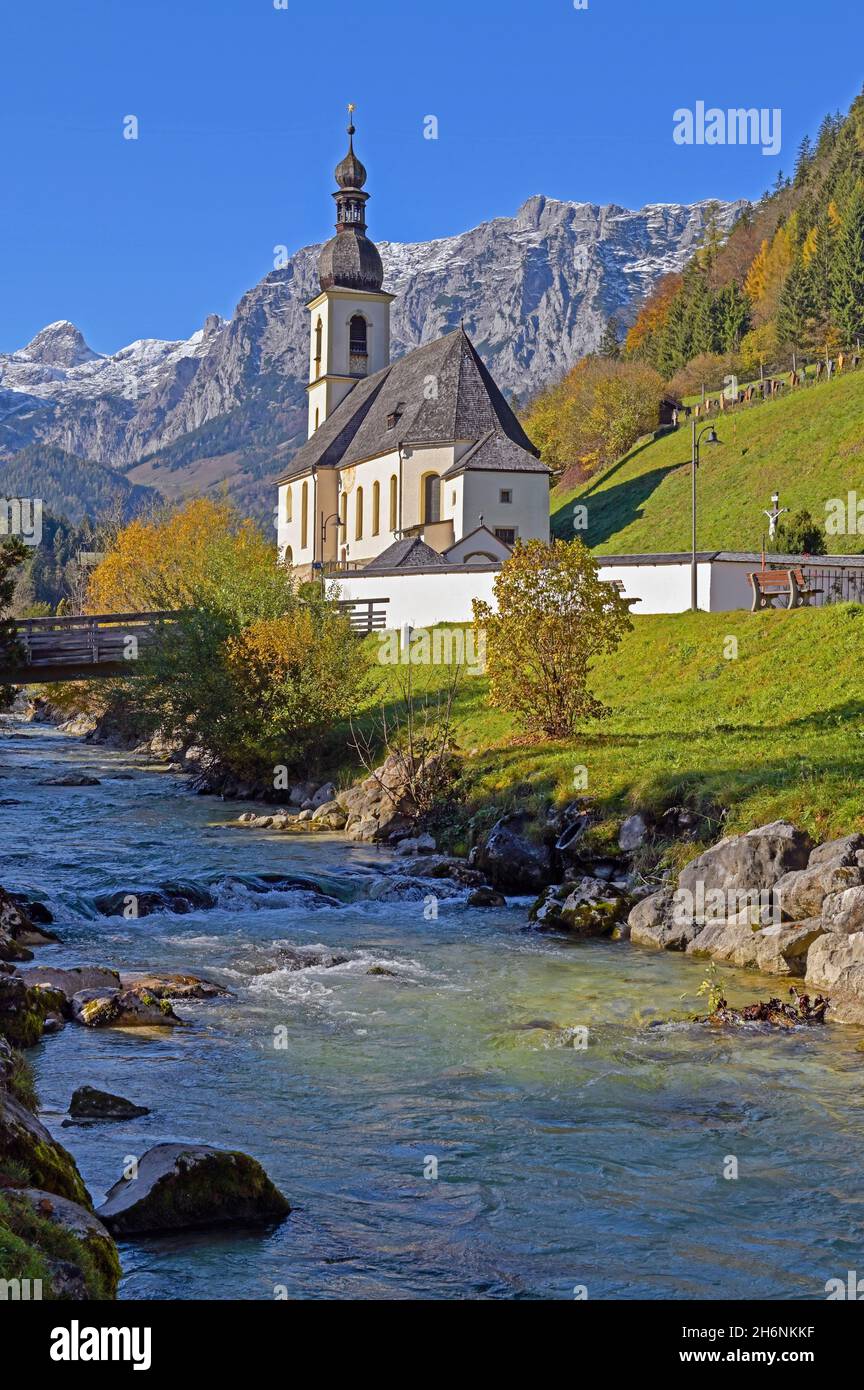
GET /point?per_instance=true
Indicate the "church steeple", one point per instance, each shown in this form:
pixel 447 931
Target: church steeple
pixel 350 260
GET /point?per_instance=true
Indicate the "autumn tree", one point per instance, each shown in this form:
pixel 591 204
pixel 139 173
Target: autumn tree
pixel 253 667
pixel 553 616
pixel 595 414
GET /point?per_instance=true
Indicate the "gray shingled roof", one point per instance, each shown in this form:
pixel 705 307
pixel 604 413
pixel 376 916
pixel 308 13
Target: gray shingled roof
pixel 408 554
pixel 495 451
pixel 440 392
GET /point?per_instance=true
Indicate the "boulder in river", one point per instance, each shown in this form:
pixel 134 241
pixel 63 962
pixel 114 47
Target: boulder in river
pixel 88 1103
pixel 177 898
pixel 71 779
pixel 28 1151
pixel 511 861
pixel 85 1267
pixel 168 986
pixel 186 1186
pixel 71 980
pixel 486 897
pixel 749 862
pixel 101 1008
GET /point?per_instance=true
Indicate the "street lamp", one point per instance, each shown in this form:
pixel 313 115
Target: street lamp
pixel 324 524
pixel 710 431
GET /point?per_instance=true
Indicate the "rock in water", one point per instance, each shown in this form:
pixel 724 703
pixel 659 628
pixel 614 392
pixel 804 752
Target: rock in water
pixel 511 861
pixel 99 1008
pixel 90 1104
pixel 184 1186
pixel 99 1277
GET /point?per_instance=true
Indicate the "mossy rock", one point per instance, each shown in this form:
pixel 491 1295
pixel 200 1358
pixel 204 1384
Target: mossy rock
pixel 182 1186
pixel 29 1157
pixel 598 918
pixel 23 1010
pixel 48 1238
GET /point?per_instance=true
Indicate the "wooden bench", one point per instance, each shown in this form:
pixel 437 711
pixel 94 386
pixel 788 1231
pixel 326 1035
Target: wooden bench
pixel 619 585
pixel 789 585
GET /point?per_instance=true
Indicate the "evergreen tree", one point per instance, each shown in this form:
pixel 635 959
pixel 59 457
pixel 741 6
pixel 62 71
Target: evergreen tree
pixel 610 346
pixel 847 281
pixel 796 313
pixel 732 317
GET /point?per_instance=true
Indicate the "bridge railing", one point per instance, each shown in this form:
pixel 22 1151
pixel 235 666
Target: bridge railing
pixel 85 639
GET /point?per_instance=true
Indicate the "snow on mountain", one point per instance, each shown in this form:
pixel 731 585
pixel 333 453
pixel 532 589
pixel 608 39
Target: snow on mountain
pixel 535 292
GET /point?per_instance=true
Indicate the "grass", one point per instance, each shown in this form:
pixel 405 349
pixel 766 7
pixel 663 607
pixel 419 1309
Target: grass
pixel 774 731
pixel 808 445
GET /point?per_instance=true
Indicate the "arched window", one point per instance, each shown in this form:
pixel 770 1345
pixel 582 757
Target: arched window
pixel 317 418
pixel 289 505
pixel 358 347
pixel 319 331
pixel 394 502
pixel 289 555
pixel 376 508
pixel 431 498
pixel 358 520
pixel 357 336
pixel 304 516
pixel 343 512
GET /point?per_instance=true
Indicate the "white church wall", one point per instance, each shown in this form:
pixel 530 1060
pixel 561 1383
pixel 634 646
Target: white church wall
pixel 660 588
pixel 290 533
pixel 365 476
pixel 423 598
pixel 527 514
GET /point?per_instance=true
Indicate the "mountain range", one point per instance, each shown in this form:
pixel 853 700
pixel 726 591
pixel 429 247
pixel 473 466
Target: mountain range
pixel 226 407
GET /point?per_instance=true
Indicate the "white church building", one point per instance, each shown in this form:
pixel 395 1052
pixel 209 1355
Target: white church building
pixel 417 465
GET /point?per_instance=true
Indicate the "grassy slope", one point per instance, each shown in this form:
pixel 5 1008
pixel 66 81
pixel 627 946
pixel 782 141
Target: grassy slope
pixel 779 731
pixel 809 445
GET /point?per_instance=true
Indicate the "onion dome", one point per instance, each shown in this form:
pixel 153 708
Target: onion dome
pixel 350 260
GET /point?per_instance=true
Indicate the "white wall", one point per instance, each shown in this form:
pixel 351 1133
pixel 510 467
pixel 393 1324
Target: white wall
pixel 661 588
pixel 527 514
pixel 421 599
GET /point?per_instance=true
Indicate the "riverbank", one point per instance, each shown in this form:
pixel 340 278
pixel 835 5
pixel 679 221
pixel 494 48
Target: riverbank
pixel 405 1037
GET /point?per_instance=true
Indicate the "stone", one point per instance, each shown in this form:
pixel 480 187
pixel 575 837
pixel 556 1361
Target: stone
pixel 73 980
pixel 122 1009
pixel 168 986
pixel 750 862
pixel 187 1186
pixel 417 844
pixel 775 950
pixel 305 815
pixel 325 793
pixel 655 922
pixel 843 849
pixel 178 898
pixel 71 779
pixel 24 1008
pixel 835 966
pixel 27 1146
pixel 633 833
pixel 330 811
pixel 844 911
pixel 590 910
pixel 99 1273
pixel 511 861
pixel 88 1103
pixel 801 893
pixel 486 897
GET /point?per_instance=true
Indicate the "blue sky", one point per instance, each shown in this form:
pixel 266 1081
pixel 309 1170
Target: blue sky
pixel 242 111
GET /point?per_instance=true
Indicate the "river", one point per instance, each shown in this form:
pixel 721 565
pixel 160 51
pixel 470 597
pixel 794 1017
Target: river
pixel 559 1167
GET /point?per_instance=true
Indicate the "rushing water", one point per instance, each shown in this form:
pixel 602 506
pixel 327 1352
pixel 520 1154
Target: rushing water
pixel 558 1166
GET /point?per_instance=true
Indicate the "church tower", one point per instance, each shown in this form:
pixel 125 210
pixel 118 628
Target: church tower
pixel 350 325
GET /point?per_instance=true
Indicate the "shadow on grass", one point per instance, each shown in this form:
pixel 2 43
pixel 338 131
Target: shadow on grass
pixel 610 509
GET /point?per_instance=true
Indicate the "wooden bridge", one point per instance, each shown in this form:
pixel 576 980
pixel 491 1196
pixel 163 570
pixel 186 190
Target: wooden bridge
pixel 89 647
pixel 79 649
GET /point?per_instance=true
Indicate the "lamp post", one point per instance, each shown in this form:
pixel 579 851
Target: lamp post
pixel 694 464
pixel 324 524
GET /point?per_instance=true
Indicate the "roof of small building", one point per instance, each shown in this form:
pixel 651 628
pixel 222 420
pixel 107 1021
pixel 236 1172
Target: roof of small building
pixel 438 393
pixel 407 554
pixel 495 452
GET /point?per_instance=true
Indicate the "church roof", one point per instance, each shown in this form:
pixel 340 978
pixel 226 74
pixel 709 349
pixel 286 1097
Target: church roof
pixel 494 452
pixel 436 394
pixel 408 554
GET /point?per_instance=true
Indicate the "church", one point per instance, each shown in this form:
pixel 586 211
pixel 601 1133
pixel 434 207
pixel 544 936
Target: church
pixel 417 463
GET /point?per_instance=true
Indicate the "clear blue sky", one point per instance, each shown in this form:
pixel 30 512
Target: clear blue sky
pixel 241 110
